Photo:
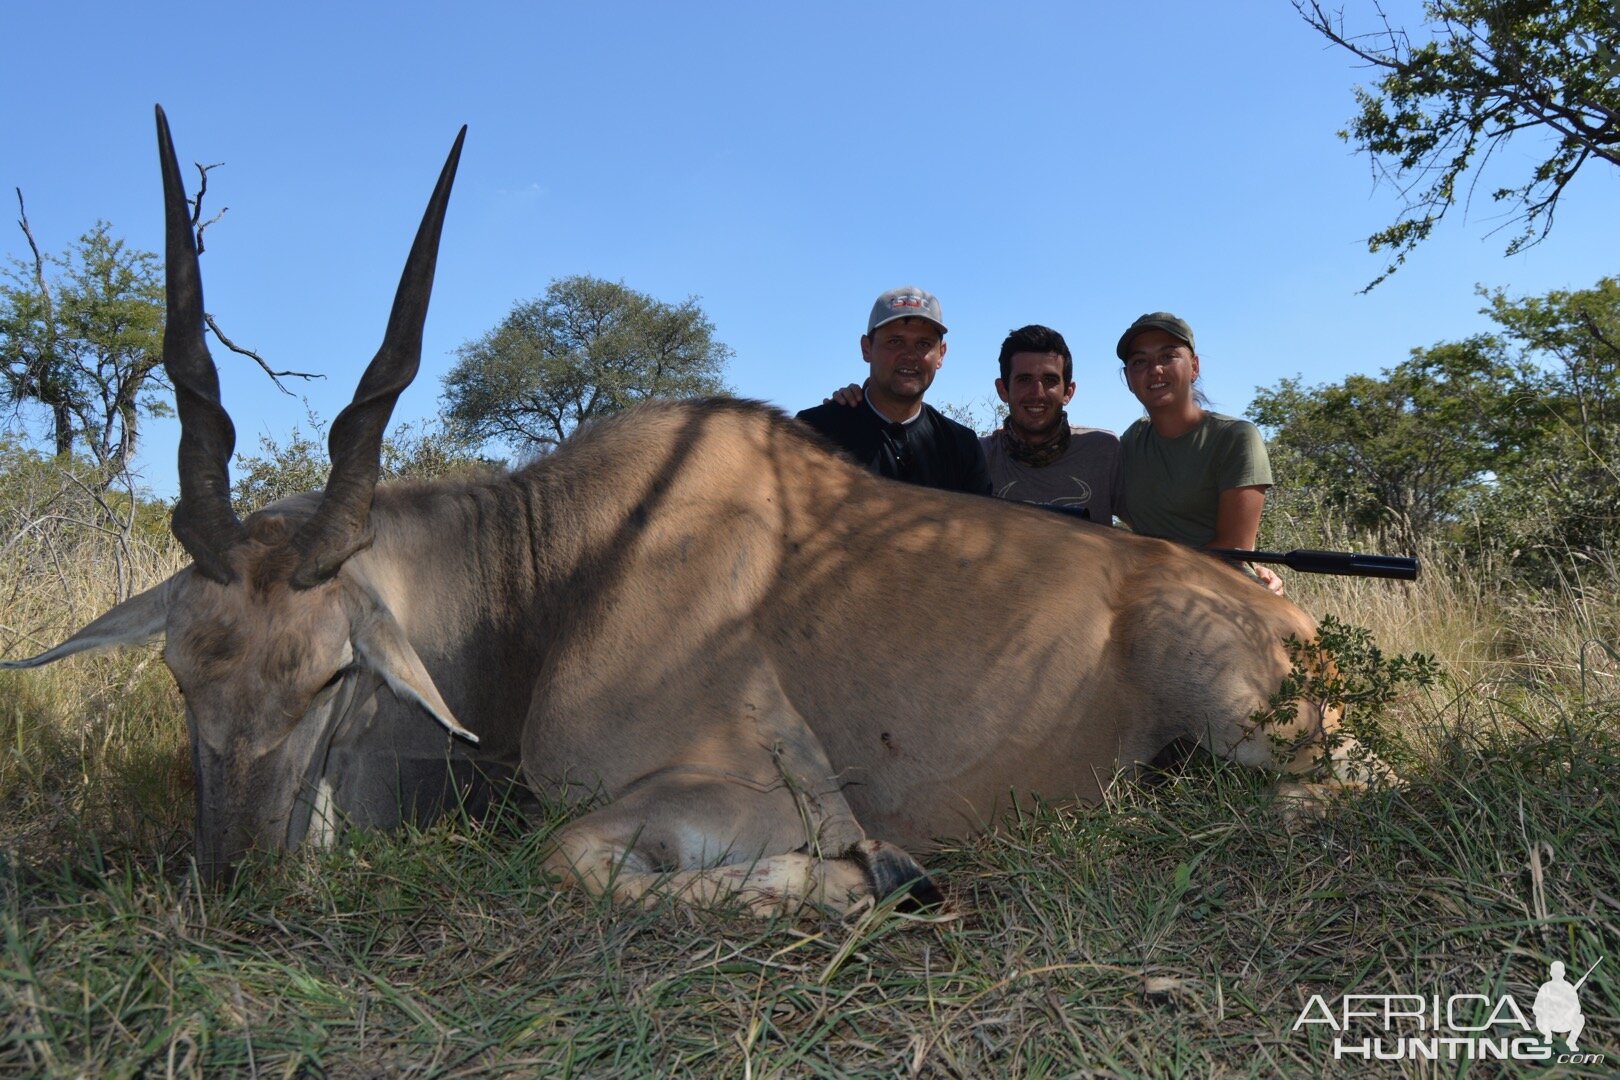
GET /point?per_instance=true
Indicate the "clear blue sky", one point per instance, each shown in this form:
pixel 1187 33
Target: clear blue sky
pixel 1074 164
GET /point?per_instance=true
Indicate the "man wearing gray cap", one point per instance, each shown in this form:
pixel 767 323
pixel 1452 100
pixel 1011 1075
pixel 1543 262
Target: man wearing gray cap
pixel 894 432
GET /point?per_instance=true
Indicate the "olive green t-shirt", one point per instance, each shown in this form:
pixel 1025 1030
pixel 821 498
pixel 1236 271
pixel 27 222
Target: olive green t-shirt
pixel 1172 487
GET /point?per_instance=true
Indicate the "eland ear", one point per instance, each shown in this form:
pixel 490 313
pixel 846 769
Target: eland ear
pixel 138 619
pixel 380 641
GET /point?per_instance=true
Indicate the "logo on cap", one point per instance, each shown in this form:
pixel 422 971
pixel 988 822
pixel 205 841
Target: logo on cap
pixel 905 302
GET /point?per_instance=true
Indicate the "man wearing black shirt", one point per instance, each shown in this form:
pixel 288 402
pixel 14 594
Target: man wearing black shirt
pixel 893 431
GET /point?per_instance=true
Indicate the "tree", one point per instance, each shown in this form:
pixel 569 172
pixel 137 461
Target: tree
pixel 984 415
pixel 1563 495
pixel 1400 455
pixel 1490 70
pixel 82 347
pixel 586 348
pixel 416 452
pixel 1509 439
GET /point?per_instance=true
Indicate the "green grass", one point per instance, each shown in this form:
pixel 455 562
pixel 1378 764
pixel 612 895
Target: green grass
pixel 1176 931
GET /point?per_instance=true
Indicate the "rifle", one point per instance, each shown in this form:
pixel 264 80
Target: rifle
pixel 1348 563
pixel 1305 560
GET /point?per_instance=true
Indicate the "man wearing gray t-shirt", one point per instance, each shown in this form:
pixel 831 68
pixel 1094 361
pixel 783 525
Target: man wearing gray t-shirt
pixel 1036 456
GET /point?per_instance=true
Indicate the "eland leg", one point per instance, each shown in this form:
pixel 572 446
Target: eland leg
pixel 721 789
pixel 1229 659
pixel 1337 763
pixel 1311 746
pixel 711 841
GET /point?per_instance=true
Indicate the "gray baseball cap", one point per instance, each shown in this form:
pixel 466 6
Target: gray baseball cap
pixel 906 302
pixel 1156 320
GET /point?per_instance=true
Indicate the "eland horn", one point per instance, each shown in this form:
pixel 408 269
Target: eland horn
pixel 203 520
pixel 340 525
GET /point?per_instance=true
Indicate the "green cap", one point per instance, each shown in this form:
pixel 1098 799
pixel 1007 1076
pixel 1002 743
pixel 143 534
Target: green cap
pixel 1156 320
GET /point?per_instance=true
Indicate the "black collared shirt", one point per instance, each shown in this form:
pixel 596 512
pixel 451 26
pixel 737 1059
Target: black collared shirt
pixel 929 449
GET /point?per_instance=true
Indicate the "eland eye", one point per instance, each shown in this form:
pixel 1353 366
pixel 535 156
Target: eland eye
pixel 337 677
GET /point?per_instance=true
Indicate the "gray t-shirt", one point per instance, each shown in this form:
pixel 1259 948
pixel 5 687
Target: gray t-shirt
pixel 1173 486
pixel 1086 475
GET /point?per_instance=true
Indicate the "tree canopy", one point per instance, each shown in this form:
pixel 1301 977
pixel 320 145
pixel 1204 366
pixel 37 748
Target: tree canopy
pixel 1514 435
pixel 81 344
pixel 1490 70
pixel 1400 454
pixel 586 348
pixel 1563 493
pixel 422 451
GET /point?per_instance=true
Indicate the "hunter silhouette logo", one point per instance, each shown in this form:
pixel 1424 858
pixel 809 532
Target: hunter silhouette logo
pixel 1457 1026
pixel 1558 1008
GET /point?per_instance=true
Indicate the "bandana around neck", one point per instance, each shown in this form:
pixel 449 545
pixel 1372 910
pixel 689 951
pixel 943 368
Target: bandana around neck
pixel 1036 457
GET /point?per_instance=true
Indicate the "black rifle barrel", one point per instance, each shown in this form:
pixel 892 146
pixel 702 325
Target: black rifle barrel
pixel 1305 560
pixel 1348 563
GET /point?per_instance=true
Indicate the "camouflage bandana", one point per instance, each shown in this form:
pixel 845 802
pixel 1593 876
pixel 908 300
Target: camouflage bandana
pixel 1036 457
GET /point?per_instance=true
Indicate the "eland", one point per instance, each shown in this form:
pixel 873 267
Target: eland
pixel 773 672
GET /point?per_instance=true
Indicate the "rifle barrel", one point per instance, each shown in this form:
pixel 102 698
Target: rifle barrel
pixel 1347 563
pixel 1304 560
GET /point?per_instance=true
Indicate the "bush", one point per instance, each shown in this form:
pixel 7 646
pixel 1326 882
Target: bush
pixel 420 452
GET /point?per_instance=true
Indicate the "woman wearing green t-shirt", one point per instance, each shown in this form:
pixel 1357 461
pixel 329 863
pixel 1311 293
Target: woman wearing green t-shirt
pixel 1190 475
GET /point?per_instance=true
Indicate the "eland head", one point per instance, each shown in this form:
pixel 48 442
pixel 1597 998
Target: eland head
pixel 277 640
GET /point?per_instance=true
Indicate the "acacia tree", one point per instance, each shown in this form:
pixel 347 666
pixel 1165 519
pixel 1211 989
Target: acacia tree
pixel 1401 454
pixel 1516 432
pixel 586 348
pixel 421 451
pixel 1563 497
pixel 83 346
pixel 1489 70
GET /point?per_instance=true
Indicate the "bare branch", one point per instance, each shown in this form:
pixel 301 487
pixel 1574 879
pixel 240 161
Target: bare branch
pixel 119 526
pixel 1434 114
pixel 1595 330
pixel 197 204
pixel 38 372
pixel 200 227
pixel 275 376
pixel 1333 29
pixel 39 260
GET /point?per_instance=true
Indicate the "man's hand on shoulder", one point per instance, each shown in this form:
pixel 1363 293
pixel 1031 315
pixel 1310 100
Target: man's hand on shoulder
pixel 847 396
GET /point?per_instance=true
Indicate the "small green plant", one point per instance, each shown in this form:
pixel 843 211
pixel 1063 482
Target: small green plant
pixel 1343 669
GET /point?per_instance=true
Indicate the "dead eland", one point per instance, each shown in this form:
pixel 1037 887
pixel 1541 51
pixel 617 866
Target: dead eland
pixel 780 670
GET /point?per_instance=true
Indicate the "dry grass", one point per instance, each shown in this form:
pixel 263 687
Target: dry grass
pixel 1177 931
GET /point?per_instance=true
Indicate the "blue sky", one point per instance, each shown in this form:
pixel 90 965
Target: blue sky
pixel 1074 164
